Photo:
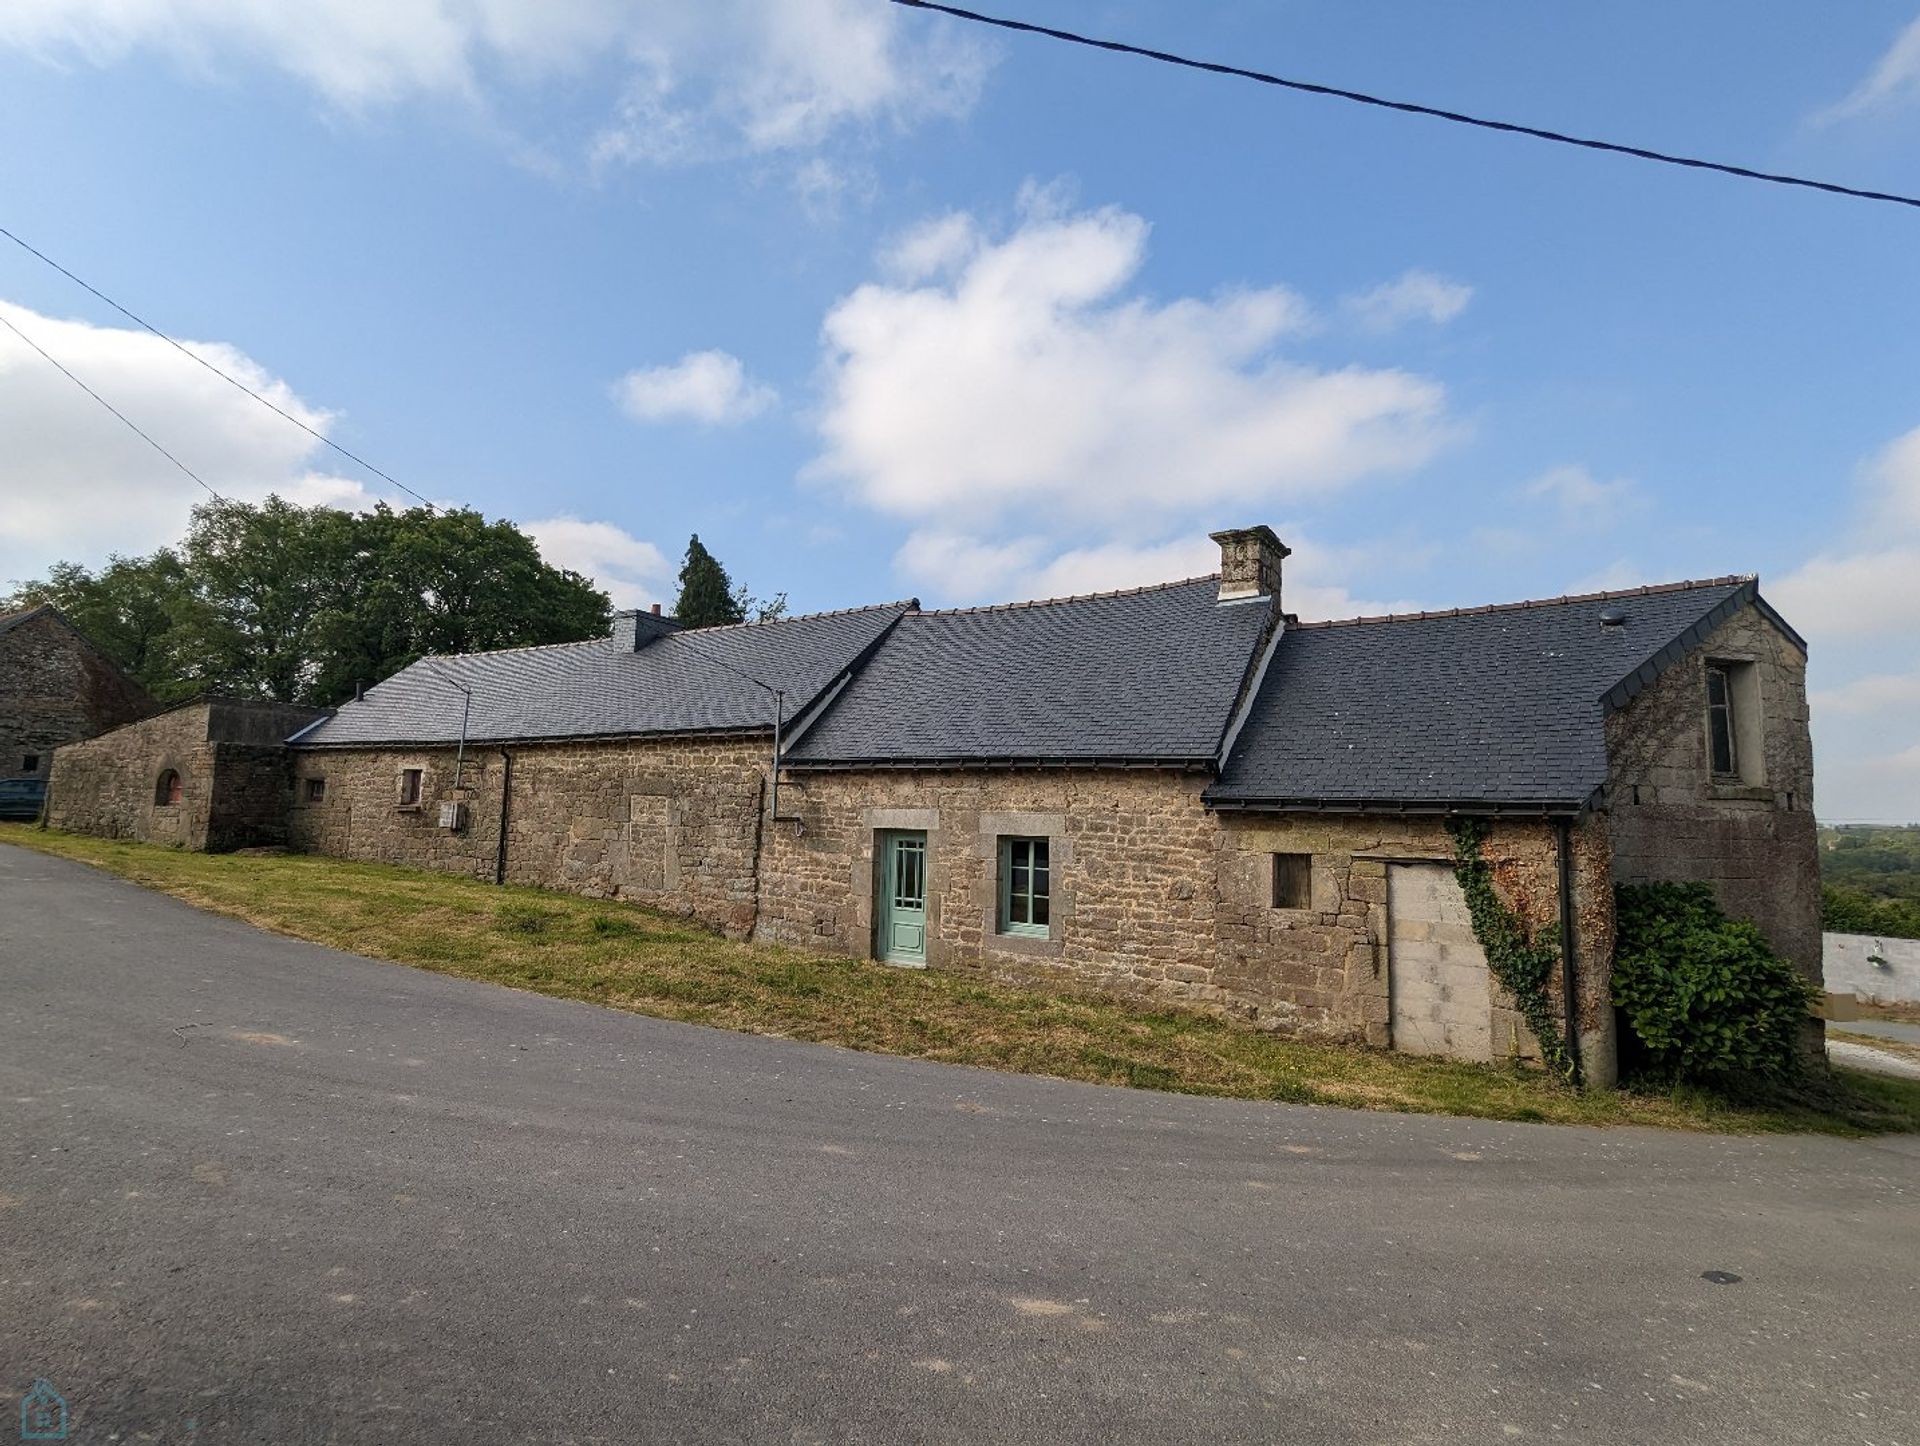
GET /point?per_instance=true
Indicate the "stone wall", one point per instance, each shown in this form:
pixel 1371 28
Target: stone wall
pixel 1325 969
pixel 1154 897
pixel 235 779
pixel 1753 838
pixel 107 785
pixel 674 824
pixel 56 688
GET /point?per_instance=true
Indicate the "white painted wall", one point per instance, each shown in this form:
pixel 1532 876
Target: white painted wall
pixel 1849 970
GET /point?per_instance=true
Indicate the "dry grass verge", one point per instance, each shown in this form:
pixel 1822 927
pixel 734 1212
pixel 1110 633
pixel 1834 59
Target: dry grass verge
pixel 629 958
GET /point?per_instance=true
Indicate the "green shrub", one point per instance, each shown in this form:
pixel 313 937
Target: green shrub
pixel 1707 998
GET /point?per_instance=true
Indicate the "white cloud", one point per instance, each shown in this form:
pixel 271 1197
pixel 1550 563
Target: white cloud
pixel 1577 492
pixel 1414 296
pixel 1856 602
pixel 703 76
pixel 711 387
pixel 1870 589
pixel 956 569
pixel 1895 475
pixel 1873 592
pixel 1893 81
pixel 633 572
pixel 1871 786
pixel 1021 405
pixel 79 484
pixel 1874 693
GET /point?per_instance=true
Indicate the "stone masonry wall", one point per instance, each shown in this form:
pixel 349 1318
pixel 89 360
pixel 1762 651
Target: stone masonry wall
pixel 672 824
pixel 106 785
pixel 1325 969
pixel 1154 897
pixel 54 689
pixel 1754 840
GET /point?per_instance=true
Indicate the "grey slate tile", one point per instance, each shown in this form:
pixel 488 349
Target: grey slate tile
pixel 685 682
pixel 1504 705
pixel 1150 674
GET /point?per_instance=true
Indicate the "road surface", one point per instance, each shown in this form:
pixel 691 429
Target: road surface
pixel 256 1191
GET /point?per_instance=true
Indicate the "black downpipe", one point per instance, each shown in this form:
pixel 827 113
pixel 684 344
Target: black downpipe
pixel 1565 831
pixel 506 788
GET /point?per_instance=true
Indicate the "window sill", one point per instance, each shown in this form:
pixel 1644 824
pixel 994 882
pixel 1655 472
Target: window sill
pixel 409 808
pixel 1033 944
pixel 1731 790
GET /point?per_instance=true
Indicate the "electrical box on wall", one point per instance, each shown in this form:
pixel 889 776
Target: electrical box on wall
pixel 453 816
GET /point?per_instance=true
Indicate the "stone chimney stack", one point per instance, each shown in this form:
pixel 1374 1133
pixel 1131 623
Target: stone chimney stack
pixel 633 629
pixel 1250 559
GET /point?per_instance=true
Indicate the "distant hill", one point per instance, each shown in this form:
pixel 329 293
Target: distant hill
pixel 1871 879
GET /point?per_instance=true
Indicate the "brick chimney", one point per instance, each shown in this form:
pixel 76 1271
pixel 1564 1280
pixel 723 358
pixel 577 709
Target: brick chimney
pixel 633 629
pixel 1250 559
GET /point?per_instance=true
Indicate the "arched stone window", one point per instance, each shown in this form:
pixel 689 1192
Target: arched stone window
pixel 168 790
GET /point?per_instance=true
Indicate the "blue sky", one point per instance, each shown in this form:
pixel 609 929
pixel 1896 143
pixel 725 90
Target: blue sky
pixel 881 305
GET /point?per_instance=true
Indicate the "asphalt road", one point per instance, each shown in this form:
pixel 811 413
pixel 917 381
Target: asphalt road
pixel 257 1191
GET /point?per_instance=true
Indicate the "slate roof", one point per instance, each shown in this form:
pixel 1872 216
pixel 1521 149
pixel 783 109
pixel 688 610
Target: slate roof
pixel 684 682
pixel 1501 707
pixel 1148 676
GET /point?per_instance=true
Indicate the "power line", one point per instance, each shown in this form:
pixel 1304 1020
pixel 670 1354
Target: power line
pixel 8 324
pixel 1410 107
pixel 224 376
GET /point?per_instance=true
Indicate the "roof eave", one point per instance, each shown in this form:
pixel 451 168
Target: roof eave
pixel 1430 807
pixel 531 740
pixel 1702 627
pixel 1144 763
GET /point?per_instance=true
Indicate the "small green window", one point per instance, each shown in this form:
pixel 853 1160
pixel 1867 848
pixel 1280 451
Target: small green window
pixel 1026 887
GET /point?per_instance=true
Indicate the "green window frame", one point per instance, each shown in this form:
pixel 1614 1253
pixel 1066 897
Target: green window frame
pixel 1026 887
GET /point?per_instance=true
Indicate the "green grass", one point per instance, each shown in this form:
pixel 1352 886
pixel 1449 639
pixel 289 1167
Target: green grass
pixel 629 958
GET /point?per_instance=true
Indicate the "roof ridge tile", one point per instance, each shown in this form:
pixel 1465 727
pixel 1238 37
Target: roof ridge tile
pixel 1045 602
pixel 1644 590
pixel 907 604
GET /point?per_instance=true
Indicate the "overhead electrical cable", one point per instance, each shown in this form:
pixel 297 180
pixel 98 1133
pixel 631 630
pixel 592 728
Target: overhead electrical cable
pixel 187 351
pixel 124 419
pixel 1358 97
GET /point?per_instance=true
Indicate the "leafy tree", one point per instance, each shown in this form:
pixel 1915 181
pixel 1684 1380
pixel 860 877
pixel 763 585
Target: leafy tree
pixel 450 582
pixel 137 610
pixel 707 596
pixel 301 604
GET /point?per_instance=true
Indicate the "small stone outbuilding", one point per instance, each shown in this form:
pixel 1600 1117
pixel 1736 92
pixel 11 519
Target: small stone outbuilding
pixel 210 774
pixel 55 687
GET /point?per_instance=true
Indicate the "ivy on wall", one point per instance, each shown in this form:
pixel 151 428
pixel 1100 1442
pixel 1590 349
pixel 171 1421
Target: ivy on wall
pixel 1522 966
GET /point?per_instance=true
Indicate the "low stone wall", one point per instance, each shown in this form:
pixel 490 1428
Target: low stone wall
pixel 673 824
pixel 1877 969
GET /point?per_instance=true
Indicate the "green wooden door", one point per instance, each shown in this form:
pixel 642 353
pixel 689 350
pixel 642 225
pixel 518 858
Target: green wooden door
pixel 901 908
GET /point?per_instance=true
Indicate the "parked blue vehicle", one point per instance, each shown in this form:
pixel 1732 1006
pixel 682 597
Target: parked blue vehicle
pixel 22 797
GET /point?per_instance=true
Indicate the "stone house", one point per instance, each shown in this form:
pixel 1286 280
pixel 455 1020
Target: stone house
pixel 1177 792
pixel 55 687
pixel 207 774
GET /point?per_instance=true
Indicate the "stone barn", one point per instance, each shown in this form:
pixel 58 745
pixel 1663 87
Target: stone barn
pixel 55 687
pixel 1179 793
pixel 209 774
